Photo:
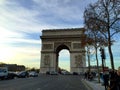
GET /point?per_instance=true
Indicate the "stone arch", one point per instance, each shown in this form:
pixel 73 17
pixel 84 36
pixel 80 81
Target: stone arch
pixel 57 50
pixel 62 46
pixel 53 41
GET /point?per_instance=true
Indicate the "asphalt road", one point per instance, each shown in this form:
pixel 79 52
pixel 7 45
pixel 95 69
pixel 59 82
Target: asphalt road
pixel 44 82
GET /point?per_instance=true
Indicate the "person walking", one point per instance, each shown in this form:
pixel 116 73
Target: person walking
pixel 113 80
pixel 85 75
pixel 118 79
pixel 106 79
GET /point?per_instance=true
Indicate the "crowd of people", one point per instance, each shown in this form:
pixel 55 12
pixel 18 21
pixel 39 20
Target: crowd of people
pixel 111 79
pixel 89 75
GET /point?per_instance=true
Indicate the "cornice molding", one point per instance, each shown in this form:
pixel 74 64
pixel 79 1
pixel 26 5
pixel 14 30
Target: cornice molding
pixel 65 29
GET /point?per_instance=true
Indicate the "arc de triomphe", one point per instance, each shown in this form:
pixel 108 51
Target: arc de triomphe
pixel 53 41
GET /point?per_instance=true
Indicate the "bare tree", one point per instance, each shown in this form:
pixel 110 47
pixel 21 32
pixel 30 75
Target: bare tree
pixel 86 41
pixel 104 17
pixel 95 37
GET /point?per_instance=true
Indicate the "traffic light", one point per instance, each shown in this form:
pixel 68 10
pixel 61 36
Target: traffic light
pixel 102 53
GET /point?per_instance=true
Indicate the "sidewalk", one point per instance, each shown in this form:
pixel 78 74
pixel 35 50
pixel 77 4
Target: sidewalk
pixel 93 85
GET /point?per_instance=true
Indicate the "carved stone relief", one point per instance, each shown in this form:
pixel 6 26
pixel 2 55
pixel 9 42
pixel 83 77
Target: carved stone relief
pixel 47 46
pixel 78 60
pixel 46 60
pixel 76 45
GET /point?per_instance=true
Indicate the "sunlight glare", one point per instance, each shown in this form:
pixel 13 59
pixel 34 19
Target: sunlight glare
pixel 6 54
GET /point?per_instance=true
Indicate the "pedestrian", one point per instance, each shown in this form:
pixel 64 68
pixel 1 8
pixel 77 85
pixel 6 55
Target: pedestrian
pixel 106 79
pixel 88 75
pixel 85 75
pixel 118 79
pixel 113 80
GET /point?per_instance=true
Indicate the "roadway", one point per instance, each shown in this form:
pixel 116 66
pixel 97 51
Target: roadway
pixel 44 82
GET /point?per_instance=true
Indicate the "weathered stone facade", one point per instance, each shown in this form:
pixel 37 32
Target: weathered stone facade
pixel 53 41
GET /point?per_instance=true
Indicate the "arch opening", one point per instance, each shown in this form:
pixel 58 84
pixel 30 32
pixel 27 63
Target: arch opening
pixel 62 58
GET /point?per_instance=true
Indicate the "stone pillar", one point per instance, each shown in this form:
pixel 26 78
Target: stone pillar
pixel 77 62
pixel 48 62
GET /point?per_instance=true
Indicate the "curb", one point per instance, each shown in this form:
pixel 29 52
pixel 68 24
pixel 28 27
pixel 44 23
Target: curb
pixel 87 85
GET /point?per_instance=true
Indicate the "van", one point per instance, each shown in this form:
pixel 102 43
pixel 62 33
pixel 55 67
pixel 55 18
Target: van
pixel 3 72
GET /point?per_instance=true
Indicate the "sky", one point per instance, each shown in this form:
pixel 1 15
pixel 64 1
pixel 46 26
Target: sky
pixel 21 23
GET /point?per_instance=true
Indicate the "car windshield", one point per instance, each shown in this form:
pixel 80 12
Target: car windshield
pixel 2 70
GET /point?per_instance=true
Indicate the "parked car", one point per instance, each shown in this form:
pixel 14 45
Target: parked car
pixel 65 73
pixel 53 73
pixel 33 74
pixel 23 74
pixel 12 75
pixel 3 72
pixel 75 73
pixel 48 73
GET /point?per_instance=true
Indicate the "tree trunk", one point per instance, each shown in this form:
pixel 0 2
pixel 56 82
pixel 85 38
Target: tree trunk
pixel 109 49
pixel 111 56
pixel 88 55
pixel 97 65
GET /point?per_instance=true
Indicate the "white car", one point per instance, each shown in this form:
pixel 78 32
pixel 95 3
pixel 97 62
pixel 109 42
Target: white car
pixel 53 73
pixel 33 74
pixel 3 72
pixel 65 73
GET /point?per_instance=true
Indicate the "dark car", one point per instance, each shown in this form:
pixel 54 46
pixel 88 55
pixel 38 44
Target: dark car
pixel 75 73
pixel 48 73
pixel 23 74
pixel 12 75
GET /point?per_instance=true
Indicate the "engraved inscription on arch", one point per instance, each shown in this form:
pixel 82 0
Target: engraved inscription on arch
pixel 76 45
pixel 47 46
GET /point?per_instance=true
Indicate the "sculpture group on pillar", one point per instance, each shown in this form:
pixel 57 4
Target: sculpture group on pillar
pixel 46 60
pixel 78 61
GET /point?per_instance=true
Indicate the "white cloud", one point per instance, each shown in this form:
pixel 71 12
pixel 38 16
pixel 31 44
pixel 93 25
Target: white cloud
pixel 31 20
pixel 60 9
pixel 29 41
pixel 1 2
pixel 68 10
pixel 19 18
pixel 5 33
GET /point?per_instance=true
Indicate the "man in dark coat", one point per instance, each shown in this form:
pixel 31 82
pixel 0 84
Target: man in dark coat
pixel 113 80
pixel 118 79
pixel 106 79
